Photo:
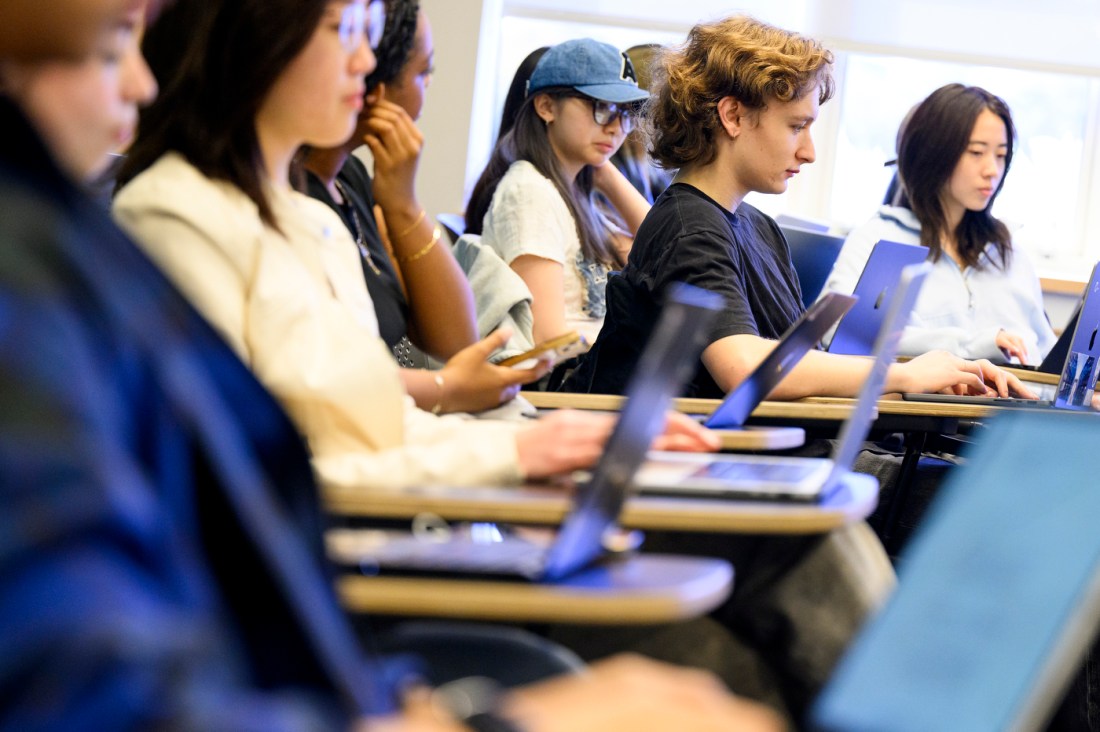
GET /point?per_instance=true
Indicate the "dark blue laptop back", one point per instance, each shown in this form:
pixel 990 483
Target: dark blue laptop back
pixel 667 362
pixel 998 595
pixel 857 330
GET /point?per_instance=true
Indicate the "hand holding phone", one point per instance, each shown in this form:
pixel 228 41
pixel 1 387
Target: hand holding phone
pixel 556 349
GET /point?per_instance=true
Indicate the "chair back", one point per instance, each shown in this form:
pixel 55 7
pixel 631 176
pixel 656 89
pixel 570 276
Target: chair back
pixel 812 254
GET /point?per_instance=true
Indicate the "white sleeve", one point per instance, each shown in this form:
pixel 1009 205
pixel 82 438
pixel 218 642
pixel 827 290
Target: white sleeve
pixel 851 260
pixel 848 266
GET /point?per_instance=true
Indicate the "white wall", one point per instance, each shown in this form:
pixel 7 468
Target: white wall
pixel 471 57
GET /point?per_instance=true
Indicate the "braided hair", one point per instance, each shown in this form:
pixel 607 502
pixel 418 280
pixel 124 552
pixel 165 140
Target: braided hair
pixel 397 41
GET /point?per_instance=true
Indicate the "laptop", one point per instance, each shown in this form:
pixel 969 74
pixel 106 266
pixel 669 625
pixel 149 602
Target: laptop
pixel 1054 360
pixel 998 595
pixel 855 335
pixel 790 478
pixel 802 336
pixel 1079 368
pixel 666 363
pixel 813 254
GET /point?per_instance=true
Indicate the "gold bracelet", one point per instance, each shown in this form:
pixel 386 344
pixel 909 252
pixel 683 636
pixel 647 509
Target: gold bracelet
pixel 436 234
pixel 423 213
pixel 438 406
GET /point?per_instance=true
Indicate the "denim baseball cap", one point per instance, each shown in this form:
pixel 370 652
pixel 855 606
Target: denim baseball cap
pixel 598 70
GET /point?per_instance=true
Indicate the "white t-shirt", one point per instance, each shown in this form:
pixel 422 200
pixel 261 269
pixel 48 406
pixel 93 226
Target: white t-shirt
pixel 527 216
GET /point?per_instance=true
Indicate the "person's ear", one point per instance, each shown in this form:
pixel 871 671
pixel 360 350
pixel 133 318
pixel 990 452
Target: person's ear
pixel 545 107
pixel 731 115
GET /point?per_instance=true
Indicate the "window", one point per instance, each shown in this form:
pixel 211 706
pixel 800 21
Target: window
pixel 1045 193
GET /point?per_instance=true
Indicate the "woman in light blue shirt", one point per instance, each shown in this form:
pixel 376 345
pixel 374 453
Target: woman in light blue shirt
pixel 982 298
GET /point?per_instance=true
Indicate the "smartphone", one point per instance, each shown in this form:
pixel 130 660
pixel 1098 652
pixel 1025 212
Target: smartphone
pixel 556 349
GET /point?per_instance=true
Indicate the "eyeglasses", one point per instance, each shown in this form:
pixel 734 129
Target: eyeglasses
pixel 357 21
pixel 604 113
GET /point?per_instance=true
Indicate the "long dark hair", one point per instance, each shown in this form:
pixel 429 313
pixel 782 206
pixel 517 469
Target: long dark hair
pixel 215 62
pixel 517 91
pixel 930 144
pixel 397 41
pixel 527 140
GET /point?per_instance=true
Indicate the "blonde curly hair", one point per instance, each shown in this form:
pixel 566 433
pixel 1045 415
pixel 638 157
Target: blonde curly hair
pixel 738 57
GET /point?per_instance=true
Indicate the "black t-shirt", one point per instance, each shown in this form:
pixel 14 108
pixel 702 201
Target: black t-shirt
pixel 385 291
pixel 688 237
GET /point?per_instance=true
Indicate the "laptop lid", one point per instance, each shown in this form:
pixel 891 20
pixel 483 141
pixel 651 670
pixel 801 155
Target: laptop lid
pixel 1056 359
pixel 666 363
pixel 791 477
pixel 857 330
pixel 998 594
pixel 1075 388
pixel 803 335
pixel 895 317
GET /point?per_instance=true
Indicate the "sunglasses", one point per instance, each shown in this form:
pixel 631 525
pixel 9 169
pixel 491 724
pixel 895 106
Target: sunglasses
pixel 359 21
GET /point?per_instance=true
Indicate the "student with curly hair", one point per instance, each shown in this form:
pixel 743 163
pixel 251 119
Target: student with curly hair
pixel 982 298
pixel 732 110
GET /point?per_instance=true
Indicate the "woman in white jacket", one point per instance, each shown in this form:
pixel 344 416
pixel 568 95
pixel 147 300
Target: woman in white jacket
pixel 982 298
pixel 208 194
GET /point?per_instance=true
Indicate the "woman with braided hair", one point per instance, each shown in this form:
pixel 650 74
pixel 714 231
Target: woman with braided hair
pixel 419 291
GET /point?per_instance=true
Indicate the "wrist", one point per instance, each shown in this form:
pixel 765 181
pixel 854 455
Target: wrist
pixel 896 379
pixel 441 391
pixel 402 215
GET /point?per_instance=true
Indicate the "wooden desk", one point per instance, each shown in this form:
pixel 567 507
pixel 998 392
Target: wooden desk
pixel 641 589
pixel 779 434
pixel 1037 377
pixel 852 501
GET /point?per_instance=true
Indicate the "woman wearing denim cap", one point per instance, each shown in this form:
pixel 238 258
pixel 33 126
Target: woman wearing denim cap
pixel 534 203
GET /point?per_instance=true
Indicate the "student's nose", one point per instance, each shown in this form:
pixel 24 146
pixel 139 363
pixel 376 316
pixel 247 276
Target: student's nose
pixel 363 61
pixel 993 167
pixel 807 153
pixel 615 126
pixel 138 85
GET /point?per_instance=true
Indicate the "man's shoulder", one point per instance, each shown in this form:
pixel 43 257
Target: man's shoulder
pixel 682 211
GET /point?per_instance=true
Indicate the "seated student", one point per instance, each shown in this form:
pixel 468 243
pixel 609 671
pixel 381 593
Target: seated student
pixel 292 302
pixel 534 202
pixel 160 556
pixel 732 111
pixel 632 158
pixel 982 298
pixel 276 272
pixel 419 295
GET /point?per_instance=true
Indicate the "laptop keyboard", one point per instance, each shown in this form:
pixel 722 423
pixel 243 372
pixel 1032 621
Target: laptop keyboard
pixel 758 472
pixel 510 556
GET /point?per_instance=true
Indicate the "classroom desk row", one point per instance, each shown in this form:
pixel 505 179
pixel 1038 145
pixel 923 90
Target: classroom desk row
pixel 642 588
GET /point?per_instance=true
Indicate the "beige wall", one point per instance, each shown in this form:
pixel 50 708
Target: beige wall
pixel 449 114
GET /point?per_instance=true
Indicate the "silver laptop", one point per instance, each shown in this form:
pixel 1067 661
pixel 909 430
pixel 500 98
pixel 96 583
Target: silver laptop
pixel 998 594
pixel 1079 370
pixel 786 477
pixel 804 335
pixel 667 362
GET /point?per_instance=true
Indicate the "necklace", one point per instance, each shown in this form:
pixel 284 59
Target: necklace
pixel 360 241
